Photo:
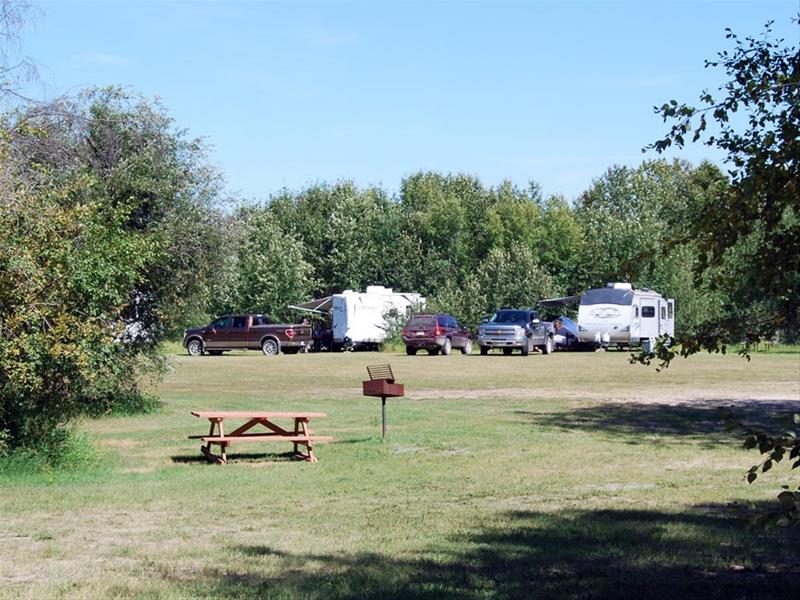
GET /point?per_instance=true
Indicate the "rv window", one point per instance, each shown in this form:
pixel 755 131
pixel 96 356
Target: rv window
pixel 648 311
pixel 669 310
pixel 663 312
pixel 607 296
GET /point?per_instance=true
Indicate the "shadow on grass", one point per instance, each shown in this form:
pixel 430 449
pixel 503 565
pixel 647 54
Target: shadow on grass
pixel 699 419
pixel 588 554
pixel 236 457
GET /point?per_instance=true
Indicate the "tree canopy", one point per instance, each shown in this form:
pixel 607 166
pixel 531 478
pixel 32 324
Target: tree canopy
pixel 747 231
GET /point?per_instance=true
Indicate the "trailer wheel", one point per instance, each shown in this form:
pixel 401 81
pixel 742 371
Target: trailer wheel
pixel 467 348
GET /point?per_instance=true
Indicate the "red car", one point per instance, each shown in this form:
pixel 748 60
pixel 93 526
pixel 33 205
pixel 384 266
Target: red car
pixel 435 333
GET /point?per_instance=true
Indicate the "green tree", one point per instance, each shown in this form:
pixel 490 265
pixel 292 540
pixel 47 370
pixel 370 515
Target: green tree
pixel 626 218
pixel 106 239
pixel 349 235
pixel 753 224
pixel 271 271
pixel 757 124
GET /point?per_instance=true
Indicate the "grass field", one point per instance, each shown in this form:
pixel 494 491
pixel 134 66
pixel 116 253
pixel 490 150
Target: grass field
pixel 568 476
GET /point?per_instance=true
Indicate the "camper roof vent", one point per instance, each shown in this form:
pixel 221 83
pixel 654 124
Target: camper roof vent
pixel 619 286
pixel 378 289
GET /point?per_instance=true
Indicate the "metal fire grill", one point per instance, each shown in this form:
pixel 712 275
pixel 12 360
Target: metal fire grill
pixel 381 385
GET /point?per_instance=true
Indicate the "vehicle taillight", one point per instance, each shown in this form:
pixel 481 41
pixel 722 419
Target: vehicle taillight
pixel 405 331
pixel 290 333
pixel 437 331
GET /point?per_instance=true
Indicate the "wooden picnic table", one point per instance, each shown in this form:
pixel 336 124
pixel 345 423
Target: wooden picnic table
pixel 299 434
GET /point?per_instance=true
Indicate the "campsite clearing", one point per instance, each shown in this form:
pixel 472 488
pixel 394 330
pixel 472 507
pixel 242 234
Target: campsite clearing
pixel 499 476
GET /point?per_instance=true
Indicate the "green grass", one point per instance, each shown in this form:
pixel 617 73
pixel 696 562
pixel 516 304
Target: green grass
pixel 568 476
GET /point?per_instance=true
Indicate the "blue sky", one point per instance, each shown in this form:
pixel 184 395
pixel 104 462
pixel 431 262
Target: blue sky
pixel 290 94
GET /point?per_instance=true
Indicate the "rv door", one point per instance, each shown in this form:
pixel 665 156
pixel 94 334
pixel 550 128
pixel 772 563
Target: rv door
pixel 339 317
pixel 649 318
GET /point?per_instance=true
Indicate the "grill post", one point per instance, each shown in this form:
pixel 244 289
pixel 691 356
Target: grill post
pixel 381 384
pixel 383 417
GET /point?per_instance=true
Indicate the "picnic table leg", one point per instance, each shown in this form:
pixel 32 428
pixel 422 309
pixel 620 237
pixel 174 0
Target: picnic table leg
pixel 206 449
pixel 304 430
pixel 296 433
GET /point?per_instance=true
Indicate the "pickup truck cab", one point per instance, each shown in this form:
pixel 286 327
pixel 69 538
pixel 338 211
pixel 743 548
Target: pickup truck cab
pixel 247 332
pixel 517 328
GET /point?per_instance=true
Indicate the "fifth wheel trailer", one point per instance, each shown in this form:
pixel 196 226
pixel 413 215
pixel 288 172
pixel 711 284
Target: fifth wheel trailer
pixel 358 319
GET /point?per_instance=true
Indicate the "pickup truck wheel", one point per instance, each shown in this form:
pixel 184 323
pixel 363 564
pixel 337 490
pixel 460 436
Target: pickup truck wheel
pixel 411 351
pixel 270 347
pixel 467 348
pixel 446 347
pixel 548 346
pixel 526 348
pixel 484 350
pixel 194 347
pixel 507 351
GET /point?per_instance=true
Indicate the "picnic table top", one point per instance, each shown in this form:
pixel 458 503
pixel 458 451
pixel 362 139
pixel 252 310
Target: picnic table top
pixel 247 414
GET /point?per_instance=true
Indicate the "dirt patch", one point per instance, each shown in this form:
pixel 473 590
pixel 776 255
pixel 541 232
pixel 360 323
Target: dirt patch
pixel 784 393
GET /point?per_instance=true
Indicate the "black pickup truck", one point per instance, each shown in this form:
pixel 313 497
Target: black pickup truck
pixel 247 332
pixel 516 328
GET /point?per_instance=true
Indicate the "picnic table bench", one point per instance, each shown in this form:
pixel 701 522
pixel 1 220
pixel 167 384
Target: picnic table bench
pixel 299 435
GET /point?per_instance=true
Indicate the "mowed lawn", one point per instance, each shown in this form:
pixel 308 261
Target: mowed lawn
pixel 563 476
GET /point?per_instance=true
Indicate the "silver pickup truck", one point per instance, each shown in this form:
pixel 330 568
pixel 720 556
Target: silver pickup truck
pixel 511 329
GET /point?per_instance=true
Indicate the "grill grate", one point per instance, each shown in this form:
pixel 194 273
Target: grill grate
pixel 377 372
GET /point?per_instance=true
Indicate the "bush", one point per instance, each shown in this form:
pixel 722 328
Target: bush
pixel 63 450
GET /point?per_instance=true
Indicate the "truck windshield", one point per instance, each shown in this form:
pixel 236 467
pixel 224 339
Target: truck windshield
pixel 511 316
pixel 607 296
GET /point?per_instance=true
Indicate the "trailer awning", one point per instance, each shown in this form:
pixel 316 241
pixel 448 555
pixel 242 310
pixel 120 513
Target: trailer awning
pixel 558 301
pixel 319 305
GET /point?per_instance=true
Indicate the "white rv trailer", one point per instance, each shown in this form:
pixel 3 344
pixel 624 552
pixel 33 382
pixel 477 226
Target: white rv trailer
pixel 358 319
pixel 620 315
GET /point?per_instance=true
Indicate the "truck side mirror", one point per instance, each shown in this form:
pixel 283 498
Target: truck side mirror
pixel 485 320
